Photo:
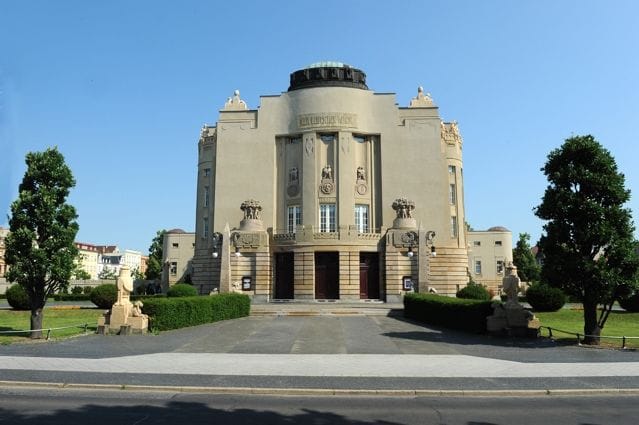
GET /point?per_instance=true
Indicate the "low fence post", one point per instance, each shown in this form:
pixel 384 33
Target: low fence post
pixel 48 333
pixel 623 342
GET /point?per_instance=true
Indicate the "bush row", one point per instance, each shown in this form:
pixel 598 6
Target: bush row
pixel 72 297
pixel 474 291
pixel 181 312
pixel 455 313
pixel 543 297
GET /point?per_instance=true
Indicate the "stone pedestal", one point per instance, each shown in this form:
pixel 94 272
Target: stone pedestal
pixel 404 223
pixel 251 225
pixel 124 317
pixel 512 320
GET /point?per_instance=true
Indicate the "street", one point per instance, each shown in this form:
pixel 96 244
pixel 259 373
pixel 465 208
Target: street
pixel 80 406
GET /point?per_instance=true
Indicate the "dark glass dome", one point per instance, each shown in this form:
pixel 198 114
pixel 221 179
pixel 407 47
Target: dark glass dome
pixel 328 74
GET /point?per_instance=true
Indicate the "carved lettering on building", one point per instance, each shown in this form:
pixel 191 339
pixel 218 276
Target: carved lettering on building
pixel 327 120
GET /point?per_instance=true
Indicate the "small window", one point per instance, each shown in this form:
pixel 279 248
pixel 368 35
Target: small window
pixel 452 194
pixel 293 140
pixel 294 218
pixel 476 243
pixel 327 218
pixel 500 266
pixel 173 269
pixel 327 138
pixel 175 244
pixel 207 172
pixel 453 227
pixel 477 266
pixel 361 218
pixel 206 196
pixel 451 169
pixel 497 243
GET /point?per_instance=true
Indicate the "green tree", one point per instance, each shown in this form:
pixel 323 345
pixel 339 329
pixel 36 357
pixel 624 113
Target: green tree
pixel 523 258
pixel 588 242
pixel 154 268
pixel 81 274
pixel 107 273
pixel 40 249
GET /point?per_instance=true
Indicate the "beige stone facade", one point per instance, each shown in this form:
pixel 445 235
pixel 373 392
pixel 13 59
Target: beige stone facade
pixel 177 255
pixel 489 252
pixel 88 258
pixel 327 162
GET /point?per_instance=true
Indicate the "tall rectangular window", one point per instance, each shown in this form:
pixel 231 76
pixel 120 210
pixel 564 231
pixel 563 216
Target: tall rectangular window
pixel 361 218
pixel 205 227
pixel 294 218
pixel 327 218
pixel 451 169
pixel 477 266
pixel 452 194
pixel 207 172
pixel 500 266
pixel 206 196
pixel 453 226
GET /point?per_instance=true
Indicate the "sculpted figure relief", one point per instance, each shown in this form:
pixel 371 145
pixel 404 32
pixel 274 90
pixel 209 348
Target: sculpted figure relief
pixel 252 209
pixel 327 173
pixel 361 175
pixel 403 208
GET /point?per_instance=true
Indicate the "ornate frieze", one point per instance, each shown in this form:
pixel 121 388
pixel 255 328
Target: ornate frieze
pixel 327 120
pixel 235 103
pixel 450 133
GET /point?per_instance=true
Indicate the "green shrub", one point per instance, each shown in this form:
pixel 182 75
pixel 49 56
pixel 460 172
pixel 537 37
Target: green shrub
pixel 104 296
pixel 71 297
pixel 87 290
pixel 18 298
pixel 455 313
pixel 474 292
pixel 181 290
pixel 76 290
pixel 542 297
pixel 630 303
pixel 146 297
pixel 175 313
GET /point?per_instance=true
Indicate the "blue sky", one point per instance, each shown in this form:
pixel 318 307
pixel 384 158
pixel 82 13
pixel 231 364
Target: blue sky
pixel 123 87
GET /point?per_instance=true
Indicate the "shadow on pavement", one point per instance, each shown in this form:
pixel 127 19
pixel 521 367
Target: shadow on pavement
pixel 175 413
pixel 432 333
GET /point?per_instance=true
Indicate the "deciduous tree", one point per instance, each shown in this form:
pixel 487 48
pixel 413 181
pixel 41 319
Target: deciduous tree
pixel 154 268
pixel 527 267
pixel 40 250
pixel 588 242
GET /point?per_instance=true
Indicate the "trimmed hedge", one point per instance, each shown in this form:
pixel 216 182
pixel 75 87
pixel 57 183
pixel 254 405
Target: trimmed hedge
pixel 545 298
pixel 181 312
pixel 18 298
pixel 454 313
pixel 630 303
pixel 104 296
pixel 72 297
pixel 181 290
pixel 474 292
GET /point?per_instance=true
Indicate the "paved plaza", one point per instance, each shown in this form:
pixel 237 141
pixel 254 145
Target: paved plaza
pixel 359 347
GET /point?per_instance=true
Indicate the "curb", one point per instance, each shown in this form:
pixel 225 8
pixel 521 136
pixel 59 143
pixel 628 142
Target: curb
pixel 324 391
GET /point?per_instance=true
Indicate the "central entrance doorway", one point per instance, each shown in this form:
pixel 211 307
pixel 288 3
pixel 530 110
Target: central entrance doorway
pixel 369 275
pixel 284 272
pixel 326 275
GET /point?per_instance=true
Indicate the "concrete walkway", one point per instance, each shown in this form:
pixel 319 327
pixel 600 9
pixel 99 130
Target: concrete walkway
pixel 313 347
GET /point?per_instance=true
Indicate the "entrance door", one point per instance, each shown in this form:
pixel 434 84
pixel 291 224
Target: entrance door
pixel 284 276
pixel 369 275
pixel 326 275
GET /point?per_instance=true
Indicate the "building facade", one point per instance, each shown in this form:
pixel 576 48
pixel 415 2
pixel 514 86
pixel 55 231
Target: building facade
pixel 88 258
pixel 489 252
pixel 177 255
pixel 330 191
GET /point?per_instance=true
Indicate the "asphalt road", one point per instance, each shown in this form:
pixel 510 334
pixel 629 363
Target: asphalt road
pixel 39 406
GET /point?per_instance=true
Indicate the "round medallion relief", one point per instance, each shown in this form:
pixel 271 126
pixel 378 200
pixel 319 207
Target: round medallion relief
pixel 327 187
pixel 293 190
pixel 361 189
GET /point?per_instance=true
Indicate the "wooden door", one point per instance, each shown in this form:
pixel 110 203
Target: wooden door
pixel 284 273
pixel 326 275
pixel 369 275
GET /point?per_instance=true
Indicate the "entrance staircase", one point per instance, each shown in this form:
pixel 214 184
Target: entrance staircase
pixel 327 308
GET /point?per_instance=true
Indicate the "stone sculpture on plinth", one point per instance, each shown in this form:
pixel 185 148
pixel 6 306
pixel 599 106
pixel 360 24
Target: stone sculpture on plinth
pixel 124 317
pixel 404 210
pixel 510 317
pixel 252 216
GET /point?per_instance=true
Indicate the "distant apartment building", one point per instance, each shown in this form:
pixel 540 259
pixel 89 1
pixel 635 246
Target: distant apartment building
pixel 488 253
pixel 177 252
pixel 4 232
pixel 112 260
pixel 88 258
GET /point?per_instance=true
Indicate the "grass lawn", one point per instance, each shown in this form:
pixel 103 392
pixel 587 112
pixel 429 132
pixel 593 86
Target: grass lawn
pixel 11 320
pixel 619 323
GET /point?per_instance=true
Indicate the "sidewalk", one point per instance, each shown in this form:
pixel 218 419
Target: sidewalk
pixel 361 349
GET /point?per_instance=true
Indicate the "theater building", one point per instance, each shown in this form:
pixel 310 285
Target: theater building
pixel 330 191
